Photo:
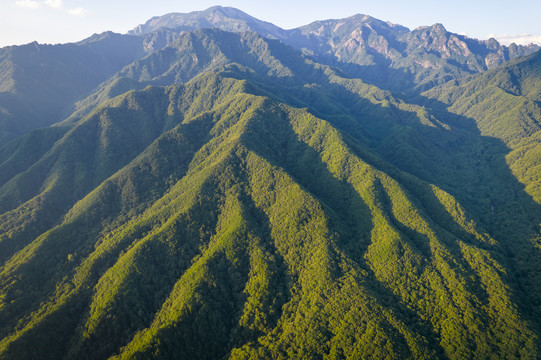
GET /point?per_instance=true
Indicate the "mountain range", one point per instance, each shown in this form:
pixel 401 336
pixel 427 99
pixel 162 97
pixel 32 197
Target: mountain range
pixel 39 84
pixel 210 185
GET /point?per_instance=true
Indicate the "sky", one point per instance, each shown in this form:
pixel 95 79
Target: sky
pixel 61 21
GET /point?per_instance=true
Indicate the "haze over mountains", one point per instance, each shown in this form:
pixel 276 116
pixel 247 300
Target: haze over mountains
pixel 362 40
pixel 389 56
pixel 214 186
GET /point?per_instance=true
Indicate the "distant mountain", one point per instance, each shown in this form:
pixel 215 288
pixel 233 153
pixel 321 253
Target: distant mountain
pixel 388 55
pixel 326 194
pixel 224 18
pixel 40 83
pixel 422 57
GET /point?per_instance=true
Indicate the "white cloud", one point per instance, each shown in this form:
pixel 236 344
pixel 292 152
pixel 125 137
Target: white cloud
pixel 519 39
pixel 56 4
pixel 29 4
pixel 53 4
pixel 77 11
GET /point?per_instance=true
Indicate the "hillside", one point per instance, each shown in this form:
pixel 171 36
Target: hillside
pixel 388 55
pixel 246 220
pixel 220 194
pixel 506 104
pixel 40 83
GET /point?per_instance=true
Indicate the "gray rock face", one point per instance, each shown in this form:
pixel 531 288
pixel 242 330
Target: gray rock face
pixel 419 58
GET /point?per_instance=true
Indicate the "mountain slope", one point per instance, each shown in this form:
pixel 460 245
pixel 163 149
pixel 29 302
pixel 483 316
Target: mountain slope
pixel 226 196
pixel 266 236
pixel 505 104
pixel 39 83
pixel 224 18
pixel 387 55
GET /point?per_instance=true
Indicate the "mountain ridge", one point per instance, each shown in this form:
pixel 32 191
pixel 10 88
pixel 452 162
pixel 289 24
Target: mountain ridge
pixel 229 158
pixel 378 54
pixel 392 42
pixel 226 195
pixel 210 18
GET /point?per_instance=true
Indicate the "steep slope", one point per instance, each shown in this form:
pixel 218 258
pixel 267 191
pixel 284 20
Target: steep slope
pixel 432 143
pixel 387 55
pixel 506 104
pixel 223 18
pixel 39 83
pixel 190 54
pixel 254 229
pixel 393 57
pixel 226 196
pixel 36 197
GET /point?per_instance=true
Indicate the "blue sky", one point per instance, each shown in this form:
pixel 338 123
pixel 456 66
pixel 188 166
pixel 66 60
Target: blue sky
pixel 59 21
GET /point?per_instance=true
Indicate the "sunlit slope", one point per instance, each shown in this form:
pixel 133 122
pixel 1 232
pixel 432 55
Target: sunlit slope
pixel 234 225
pixel 505 104
pixel 39 83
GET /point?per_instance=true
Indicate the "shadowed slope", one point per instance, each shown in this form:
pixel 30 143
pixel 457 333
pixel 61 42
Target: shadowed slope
pixel 271 207
pixel 265 234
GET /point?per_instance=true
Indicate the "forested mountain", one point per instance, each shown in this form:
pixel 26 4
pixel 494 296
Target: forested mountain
pixel 223 193
pixel 388 55
pixel 395 57
pixel 40 83
pixel 506 104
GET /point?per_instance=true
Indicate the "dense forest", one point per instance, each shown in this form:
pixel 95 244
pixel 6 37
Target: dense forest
pixel 245 192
